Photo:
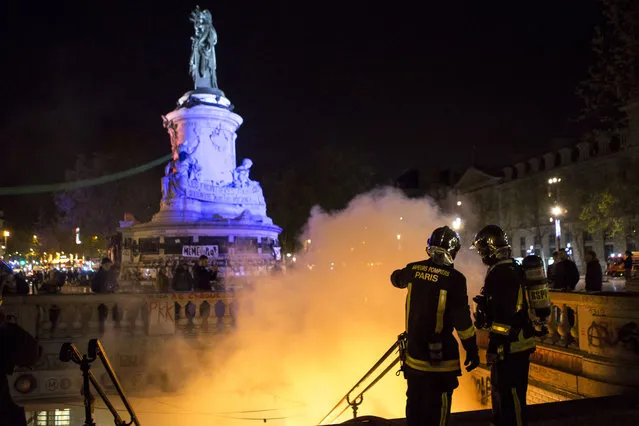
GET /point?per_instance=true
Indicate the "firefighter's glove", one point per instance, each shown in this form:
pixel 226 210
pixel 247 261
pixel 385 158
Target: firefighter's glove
pixel 472 361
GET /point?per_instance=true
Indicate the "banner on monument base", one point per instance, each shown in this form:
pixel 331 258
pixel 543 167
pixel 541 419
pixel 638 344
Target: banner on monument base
pixel 197 251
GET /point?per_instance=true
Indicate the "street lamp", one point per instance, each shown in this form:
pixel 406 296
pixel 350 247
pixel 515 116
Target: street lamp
pixel 6 235
pixel 556 212
pixel 457 224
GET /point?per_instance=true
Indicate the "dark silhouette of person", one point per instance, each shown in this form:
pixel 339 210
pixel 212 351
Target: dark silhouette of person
pixel 594 276
pixel 627 264
pixel 18 348
pixel 566 273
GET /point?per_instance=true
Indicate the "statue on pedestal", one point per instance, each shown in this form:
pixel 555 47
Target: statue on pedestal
pixel 241 175
pixel 177 173
pixel 203 62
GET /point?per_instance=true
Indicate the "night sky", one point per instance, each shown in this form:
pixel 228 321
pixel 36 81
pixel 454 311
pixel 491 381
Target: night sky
pixel 412 85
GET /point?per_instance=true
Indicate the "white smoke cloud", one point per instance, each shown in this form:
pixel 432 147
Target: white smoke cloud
pixel 304 338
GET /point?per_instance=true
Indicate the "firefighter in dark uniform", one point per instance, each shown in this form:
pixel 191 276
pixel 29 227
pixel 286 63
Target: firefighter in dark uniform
pixel 436 303
pixel 502 308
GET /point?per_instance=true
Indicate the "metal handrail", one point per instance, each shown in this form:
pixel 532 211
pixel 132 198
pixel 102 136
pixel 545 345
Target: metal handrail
pixel 70 352
pixel 96 350
pixel 354 403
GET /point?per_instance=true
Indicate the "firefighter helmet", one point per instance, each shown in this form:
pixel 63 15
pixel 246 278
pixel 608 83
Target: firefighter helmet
pixel 492 244
pixel 443 245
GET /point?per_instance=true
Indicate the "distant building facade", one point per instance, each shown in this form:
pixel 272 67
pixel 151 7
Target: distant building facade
pixel 520 197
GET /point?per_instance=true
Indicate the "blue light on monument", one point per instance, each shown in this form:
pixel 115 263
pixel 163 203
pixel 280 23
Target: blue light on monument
pixel 209 202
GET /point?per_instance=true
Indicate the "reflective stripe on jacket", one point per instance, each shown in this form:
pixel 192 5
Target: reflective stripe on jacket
pixel 436 304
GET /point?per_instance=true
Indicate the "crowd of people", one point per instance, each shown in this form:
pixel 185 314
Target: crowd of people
pixel 187 276
pixel 179 275
pixel 563 273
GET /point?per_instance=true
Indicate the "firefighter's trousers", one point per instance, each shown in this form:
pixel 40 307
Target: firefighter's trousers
pixel 428 398
pixel 508 383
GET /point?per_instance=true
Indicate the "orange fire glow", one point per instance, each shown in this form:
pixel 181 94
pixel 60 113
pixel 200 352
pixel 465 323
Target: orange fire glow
pixel 305 338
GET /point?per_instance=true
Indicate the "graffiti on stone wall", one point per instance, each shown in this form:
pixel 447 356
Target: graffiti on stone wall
pixel 555 359
pixel 604 335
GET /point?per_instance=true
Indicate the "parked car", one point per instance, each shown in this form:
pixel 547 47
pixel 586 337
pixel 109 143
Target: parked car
pixel 615 267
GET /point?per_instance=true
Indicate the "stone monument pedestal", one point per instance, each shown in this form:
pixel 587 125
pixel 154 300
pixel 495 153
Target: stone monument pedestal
pixel 209 203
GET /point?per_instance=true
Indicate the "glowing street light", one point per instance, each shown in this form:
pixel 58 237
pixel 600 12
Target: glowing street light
pixel 399 236
pixel 6 235
pixel 457 224
pixel 459 203
pixel 557 211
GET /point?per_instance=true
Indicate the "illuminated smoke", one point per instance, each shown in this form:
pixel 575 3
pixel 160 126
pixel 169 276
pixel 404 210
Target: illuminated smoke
pixel 304 338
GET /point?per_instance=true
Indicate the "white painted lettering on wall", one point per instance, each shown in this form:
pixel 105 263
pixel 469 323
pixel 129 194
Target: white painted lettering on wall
pixel 224 194
pixel 197 251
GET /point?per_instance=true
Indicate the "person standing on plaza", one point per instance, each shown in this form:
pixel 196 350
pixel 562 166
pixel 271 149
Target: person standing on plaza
pixel 594 276
pixel 202 274
pixel 566 273
pixel 105 280
pixel 627 264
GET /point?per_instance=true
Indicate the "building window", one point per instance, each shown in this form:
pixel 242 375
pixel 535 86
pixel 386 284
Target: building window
pixel 522 243
pixel 587 249
pixel 609 250
pixel 587 236
pixel 568 237
pixel 537 240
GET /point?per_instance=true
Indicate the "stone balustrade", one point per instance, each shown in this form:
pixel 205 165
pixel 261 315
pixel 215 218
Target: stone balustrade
pixel 76 316
pixel 592 348
pixel 138 330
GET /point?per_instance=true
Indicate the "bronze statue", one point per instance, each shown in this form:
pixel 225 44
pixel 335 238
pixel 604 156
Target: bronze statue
pixel 203 63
